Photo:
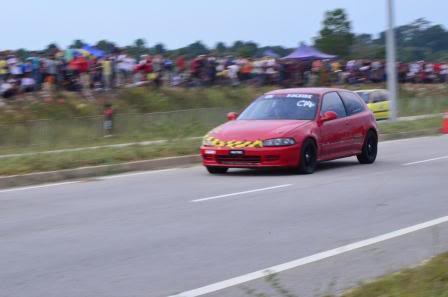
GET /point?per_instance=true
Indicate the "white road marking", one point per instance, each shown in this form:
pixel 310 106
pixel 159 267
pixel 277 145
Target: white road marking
pixel 87 178
pixel 426 161
pixel 240 193
pixel 39 187
pixel 308 260
pixel 137 173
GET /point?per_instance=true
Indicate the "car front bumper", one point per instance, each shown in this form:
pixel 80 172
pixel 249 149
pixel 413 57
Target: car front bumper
pixel 265 157
pixel 381 115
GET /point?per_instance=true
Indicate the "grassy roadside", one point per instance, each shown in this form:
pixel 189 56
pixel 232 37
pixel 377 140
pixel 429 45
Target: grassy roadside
pixel 429 125
pixel 82 132
pixel 413 99
pixel 136 128
pixel 176 147
pixel 142 100
pixel 147 114
pixel 41 162
pixel 141 114
pixel 428 280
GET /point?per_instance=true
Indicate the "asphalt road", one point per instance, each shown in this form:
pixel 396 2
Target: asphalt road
pixel 165 232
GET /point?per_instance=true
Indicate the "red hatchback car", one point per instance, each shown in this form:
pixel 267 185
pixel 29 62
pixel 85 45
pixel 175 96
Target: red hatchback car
pixel 293 128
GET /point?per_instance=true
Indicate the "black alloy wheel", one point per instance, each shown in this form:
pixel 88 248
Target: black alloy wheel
pixel 308 157
pixel 369 149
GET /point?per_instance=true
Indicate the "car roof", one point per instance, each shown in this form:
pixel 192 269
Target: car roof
pixel 317 91
pixel 369 91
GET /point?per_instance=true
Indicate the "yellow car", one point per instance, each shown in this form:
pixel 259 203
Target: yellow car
pixel 377 101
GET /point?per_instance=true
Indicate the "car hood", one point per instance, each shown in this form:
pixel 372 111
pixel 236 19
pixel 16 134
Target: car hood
pixel 252 130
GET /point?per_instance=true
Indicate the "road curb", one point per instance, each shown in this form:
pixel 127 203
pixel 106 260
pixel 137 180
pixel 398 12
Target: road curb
pixel 94 171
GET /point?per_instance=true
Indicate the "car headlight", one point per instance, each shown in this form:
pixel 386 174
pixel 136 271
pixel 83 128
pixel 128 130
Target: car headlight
pixel 279 142
pixel 206 141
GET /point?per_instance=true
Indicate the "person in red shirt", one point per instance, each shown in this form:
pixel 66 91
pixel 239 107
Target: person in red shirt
pixel 108 119
pixel 145 67
pixel 180 64
pixel 437 70
pixel 79 64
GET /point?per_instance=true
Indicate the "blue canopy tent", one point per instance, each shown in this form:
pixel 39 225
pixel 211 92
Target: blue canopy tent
pixel 308 53
pixel 94 51
pixel 270 53
pixel 86 51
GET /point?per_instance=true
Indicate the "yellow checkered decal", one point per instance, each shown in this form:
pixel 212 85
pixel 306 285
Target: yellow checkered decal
pixel 234 143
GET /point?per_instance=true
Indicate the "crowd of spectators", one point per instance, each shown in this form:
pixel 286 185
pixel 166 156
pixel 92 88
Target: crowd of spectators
pixel 85 73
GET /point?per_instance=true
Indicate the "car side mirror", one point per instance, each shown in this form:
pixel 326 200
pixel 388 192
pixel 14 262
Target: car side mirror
pixel 329 116
pixel 232 116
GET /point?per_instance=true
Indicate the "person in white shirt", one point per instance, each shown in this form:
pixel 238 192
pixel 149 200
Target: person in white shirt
pixel 233 74
pixel 120 67
pixel 27 84
pixel 14 67
pixel 444 72
pixel 414 69
pixel 7 90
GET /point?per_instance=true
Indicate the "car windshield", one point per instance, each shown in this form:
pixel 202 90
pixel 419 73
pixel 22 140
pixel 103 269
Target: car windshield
pixel 282 107
pixel 364 96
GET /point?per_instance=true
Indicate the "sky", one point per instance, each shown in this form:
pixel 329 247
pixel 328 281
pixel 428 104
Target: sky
pixel 33 24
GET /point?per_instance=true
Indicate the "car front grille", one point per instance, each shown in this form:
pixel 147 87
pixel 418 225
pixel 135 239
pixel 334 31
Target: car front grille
pixel 238 160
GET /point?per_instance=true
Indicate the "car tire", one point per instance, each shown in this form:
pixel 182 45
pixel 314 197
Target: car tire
pixel 369 149
pixel 217 170
pixel 308 157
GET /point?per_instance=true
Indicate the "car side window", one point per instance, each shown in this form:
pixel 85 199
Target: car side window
pixel 353 103
pixel 379 97
pixel 384 96
pixel 374 97
pixel 332 102
pixel 365 97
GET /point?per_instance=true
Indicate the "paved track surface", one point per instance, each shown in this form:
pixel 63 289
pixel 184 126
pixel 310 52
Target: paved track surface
pixel 166 232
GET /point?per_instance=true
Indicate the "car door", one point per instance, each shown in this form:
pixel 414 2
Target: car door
pixel 380 104
pixel 334 135
pixel 355 108
pixel 383 104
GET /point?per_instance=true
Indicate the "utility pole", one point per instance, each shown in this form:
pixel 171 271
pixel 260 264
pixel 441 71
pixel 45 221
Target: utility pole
pixel 391 61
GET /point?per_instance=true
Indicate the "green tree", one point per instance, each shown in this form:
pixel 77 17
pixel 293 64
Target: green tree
pixel 196 49
pixel 52 49
pixel 106 46
pixel 236 47
pixel 22 53
pixel 140 43
pixel 248 49
pixel 364 47
pixel 159 49
pixel 336 36
pixel 137 49
pixel 419 40
pixel 77 44
pixel 220 48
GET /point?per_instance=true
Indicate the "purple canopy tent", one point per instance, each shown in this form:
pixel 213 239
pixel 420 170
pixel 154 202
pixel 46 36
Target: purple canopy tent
pixel 270 53
pixel 307 53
